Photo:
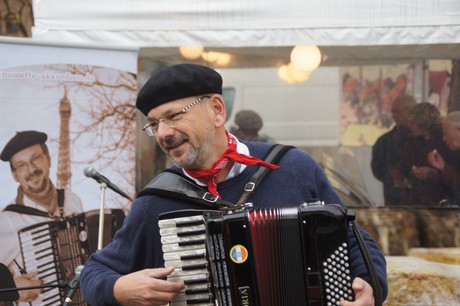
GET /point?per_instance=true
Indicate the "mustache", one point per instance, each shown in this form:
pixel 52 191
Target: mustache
pixel 36 172
pixel 173 141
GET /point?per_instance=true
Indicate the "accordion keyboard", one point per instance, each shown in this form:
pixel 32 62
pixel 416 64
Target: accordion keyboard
pixel 183 242
pixel 39 251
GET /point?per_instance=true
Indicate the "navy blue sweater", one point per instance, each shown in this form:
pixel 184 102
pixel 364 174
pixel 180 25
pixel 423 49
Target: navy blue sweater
pixel 137 246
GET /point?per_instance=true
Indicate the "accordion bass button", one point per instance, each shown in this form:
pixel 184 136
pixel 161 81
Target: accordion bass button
pixel 83 236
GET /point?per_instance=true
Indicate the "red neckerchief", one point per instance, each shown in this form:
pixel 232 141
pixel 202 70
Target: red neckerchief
pixel 210 175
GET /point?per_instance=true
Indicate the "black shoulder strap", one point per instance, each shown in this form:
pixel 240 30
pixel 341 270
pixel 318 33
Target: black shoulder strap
pixel 22 209
pixel 273 157
pixel 173 185
pixel 26 210
pixel 61 197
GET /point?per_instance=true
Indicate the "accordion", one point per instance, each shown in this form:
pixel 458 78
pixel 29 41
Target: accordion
pixel 270 256
pixel 55 249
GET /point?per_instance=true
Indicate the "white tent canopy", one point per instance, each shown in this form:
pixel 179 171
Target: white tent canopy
pixel 260 34
pixel 239 23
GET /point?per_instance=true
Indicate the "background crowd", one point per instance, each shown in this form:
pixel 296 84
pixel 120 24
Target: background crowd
pixel 418 160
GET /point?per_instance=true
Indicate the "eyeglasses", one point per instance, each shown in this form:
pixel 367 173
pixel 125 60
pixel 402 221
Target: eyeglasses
pixel 152 127
pixel 36 161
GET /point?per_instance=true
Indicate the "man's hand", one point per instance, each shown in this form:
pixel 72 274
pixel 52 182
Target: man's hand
pixel 435 159
pixel 424 173
pixel 145 288
pixel 27 280
pixel 364 295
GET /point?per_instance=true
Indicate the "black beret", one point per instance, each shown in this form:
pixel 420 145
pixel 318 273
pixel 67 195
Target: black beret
pixel 176 82
pixel 20 141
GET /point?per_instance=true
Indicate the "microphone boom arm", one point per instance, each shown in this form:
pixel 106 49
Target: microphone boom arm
pixel 92 173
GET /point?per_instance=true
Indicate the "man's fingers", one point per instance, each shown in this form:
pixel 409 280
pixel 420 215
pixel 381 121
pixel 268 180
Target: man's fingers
pixel 159 272
pixel 358 285
pixel 163 285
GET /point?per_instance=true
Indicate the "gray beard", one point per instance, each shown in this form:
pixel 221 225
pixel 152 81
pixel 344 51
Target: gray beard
pixel 198 155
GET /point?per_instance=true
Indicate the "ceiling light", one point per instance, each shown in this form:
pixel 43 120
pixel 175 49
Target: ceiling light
pixel 296 75
pixel 219 58
pixel 306 58
pixel 191 52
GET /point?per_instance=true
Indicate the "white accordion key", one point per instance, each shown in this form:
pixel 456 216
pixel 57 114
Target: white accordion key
pixel 181 239
pixel 192 230
pixel 185 255
pixel 192 245
pixel 181 222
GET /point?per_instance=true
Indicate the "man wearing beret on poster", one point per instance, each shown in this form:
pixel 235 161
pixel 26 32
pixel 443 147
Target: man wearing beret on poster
pixel 37 201
pixel 187 113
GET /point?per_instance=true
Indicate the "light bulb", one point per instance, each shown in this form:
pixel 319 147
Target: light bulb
pixel 191 52
pixel 296 75
pixel 306 58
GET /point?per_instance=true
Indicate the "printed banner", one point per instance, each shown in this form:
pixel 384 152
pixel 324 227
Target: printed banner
pixel 68 128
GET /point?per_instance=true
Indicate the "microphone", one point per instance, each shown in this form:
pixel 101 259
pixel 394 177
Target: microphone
pixel 92 173
pixel 73 285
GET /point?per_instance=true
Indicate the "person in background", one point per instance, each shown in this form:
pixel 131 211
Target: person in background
pixel 387 150
pixel 449 165
pixel 187 115
pixel 249 123
pixel 426 188
pixel 37 201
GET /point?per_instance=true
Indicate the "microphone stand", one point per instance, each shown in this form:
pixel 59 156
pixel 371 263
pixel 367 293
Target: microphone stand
pixel 61 284
pixel 101 217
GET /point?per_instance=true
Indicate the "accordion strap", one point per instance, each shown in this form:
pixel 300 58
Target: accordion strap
pixel 273 157
pixel 374 282
pixel 173 185
pixel 27 210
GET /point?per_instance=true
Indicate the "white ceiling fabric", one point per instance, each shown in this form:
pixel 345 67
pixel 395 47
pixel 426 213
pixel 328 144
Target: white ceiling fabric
pixel 152 23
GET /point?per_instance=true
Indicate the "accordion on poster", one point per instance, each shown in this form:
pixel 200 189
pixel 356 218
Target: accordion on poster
pixel 55 249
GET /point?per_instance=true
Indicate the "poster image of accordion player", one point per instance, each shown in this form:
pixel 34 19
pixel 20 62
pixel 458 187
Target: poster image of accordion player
pixel 186 114
pixel 37 200
pixel 46 237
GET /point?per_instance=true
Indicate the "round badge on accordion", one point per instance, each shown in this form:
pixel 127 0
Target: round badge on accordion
pixel 238 254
